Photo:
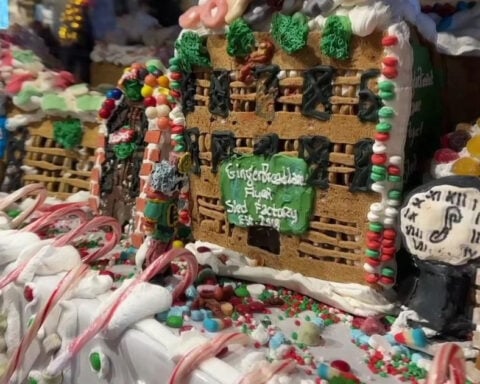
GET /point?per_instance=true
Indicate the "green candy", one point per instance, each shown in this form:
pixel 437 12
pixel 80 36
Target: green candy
pixel 95 361
pixel 294 335
pixel 124 150
pixel 394 178
pixel 372 253
pixel 174 68
pixel 386 112
pixel 376 227
pixel 386 86
pixel 31 380
pixel 386 95
pixel 379 170
pixel 388 272
pixel 384 127
pixel 12 213
pixel 175 85
pixel 395 194
pixel 242 291
pixel 377 177
pixel 174 61
pixel 175 321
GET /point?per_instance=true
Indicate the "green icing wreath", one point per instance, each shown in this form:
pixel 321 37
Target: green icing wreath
pixel 68 133
pixel 240 38
pixel 191 51
pixel 337 36
pixel 290 32
pixel 124 150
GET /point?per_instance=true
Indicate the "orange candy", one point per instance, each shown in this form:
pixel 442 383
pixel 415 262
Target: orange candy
pixel 163 123
pixel 466 166
pixel 151 80
pixel 473 146
pixel 163 81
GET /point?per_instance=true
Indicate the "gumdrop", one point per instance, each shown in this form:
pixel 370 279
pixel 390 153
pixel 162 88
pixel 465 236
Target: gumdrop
pixel 373 326
pixel 466 166
pixel 458 139
pixel 445 155
pixel 473 146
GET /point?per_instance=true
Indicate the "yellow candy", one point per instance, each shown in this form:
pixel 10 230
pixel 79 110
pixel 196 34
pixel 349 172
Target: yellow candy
pixel 177 244
pixel 466 166
pixel 163 81
pixel 473 146
pixel 147 91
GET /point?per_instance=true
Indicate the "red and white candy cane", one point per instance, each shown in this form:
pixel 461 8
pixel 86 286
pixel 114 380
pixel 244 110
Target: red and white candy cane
pixel 102 321
pixel 266 371
pixel 448 366
pixel 68 239
pixel 210 349
pixel 56 213
pixel 69 281
pixel 93 225
pixel 37 190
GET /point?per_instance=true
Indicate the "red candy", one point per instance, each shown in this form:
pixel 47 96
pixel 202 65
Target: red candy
pixel 390 61
pixel 341 365
pixel 28 293
pixel 150 101
pixel 107 273
pixel 104 113
pixel 388 41
pixel 109 104
pixel 381 136
pixel 373 262
pixel 390 234
pixel 394 170
pixel 445 155
pixel 372 244
pixel 390 72
pixel 384 280
pixel 373 235
pixel 372 278
pixel 379 158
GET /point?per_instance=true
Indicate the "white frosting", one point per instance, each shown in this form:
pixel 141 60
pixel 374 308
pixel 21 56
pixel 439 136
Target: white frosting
pixel 50 261
pixel 144 301
pixel 16 244
pixel 353 298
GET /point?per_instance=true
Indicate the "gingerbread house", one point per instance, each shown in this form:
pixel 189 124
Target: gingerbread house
pixel 354 126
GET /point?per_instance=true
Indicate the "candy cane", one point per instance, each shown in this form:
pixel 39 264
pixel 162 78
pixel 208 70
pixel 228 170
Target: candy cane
pixel 210 349
pixel 102 321
pixel 448 366
pixel 266 371
pixel 67 239
pixel 37 190
pixel 66 284
pixel 56 213
pixel 97 222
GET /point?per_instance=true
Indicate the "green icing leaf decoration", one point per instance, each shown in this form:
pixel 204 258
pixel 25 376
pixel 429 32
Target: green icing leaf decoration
pixel 337 36
pixel 191 51
pixel 68 133
pixel 290 32
pixel 124 150
pixel 240 39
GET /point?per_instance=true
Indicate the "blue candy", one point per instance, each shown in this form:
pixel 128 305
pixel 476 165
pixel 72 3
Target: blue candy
pixel 197 315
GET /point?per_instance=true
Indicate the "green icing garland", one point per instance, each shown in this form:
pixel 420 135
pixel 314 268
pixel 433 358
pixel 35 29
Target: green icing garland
pixel 336 37
pixel 68 133
pixel 191 51
pixel 290 32
pixel 240 38
pixel 124 150
pixel 133 90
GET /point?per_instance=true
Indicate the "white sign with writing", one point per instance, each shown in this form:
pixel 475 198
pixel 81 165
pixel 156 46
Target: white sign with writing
pixel 443 224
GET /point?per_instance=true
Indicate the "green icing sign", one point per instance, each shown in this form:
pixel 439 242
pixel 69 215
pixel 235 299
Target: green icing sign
pixel 267 191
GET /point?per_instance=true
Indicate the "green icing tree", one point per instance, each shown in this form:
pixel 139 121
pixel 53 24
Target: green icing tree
pixel 336 38
pixel 191 51
pixel 241 40
pixel 68 133
pixel 290 32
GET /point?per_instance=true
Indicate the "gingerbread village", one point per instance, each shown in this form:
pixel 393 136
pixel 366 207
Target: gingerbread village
pixel 303 146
